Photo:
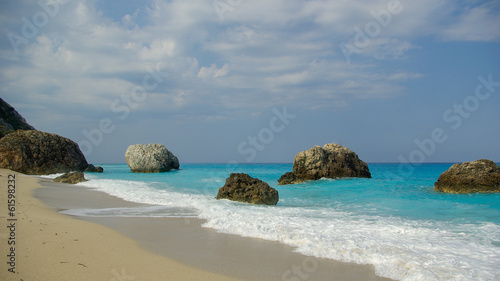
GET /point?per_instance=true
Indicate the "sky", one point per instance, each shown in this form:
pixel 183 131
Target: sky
pixel 238 81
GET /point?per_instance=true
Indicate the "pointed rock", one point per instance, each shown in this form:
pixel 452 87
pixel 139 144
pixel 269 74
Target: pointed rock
pixel 11 120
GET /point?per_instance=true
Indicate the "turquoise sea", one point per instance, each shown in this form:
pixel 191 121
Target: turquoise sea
pixel 395 220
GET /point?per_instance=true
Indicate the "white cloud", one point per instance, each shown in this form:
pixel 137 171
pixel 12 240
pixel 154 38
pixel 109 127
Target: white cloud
pixel 480 23
pixel 384 48
pixel 404 76
pixel 262 54
pixel 213 71
pixel 157 50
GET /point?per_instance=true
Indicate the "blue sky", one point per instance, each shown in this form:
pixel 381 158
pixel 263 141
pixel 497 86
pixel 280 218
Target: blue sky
pixel 258 81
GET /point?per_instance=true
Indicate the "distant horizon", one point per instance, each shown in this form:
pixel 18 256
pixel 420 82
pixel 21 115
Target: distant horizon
pixel 290 163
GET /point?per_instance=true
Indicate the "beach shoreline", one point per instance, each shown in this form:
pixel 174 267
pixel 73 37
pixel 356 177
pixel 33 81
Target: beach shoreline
pixel 53 246
pixel 145 248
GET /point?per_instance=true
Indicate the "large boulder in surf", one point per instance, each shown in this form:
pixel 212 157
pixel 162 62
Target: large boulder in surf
pixel 330 161
pixel 477 176
pixel 150 158
pixel 11 120
pixel 72 178
pixel 39 153
pixel 243 188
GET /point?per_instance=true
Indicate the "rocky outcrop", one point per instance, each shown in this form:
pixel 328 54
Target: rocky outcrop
pixel 476 176
pixel 11 120
pixel 93 169
pixel 242 187
pixel 38 153
pixel 150 158
pixel 330 161
pixel 72 178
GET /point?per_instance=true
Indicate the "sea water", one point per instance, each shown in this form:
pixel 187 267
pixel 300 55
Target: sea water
pixel 395 220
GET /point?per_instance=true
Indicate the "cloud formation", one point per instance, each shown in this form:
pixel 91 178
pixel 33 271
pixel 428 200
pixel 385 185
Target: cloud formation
pixel 80 54
pixel 76 57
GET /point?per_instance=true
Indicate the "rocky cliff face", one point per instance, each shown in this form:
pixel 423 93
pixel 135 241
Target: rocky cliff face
pixel 478 176
pixel 11 120
pixel 150 158
pixel 38 153
pixel 330 161
pixel 242 187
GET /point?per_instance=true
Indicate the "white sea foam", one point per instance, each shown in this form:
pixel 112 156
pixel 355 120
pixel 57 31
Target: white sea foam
pixel 142 211
pixel 398 248
pixel 51 176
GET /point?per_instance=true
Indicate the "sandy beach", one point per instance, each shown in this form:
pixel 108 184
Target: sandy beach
pixel 53 246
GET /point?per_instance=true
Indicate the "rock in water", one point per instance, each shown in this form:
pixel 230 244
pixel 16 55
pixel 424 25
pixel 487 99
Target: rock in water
pixel 72 178
pixel 330 161
pixel 93 169
pixel 150 158
pixel 477 176
pixel 38 153
pixel 11 120
pixel 242 187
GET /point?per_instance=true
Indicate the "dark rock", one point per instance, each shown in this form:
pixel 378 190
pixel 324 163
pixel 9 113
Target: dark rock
pixel 330 161
pixel 150 158
pixel 288 178
pixel 11 120
pixel 477 176
pixel 38 153
pixel 93 169
pixel 242 187
pixel 72 178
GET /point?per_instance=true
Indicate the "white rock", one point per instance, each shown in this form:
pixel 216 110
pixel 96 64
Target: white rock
pixel 150 158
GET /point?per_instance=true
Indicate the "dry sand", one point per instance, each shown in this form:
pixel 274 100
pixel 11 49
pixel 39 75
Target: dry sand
pixel 52 246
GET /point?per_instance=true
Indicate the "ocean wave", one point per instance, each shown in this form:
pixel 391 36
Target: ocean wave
pixel 398 248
